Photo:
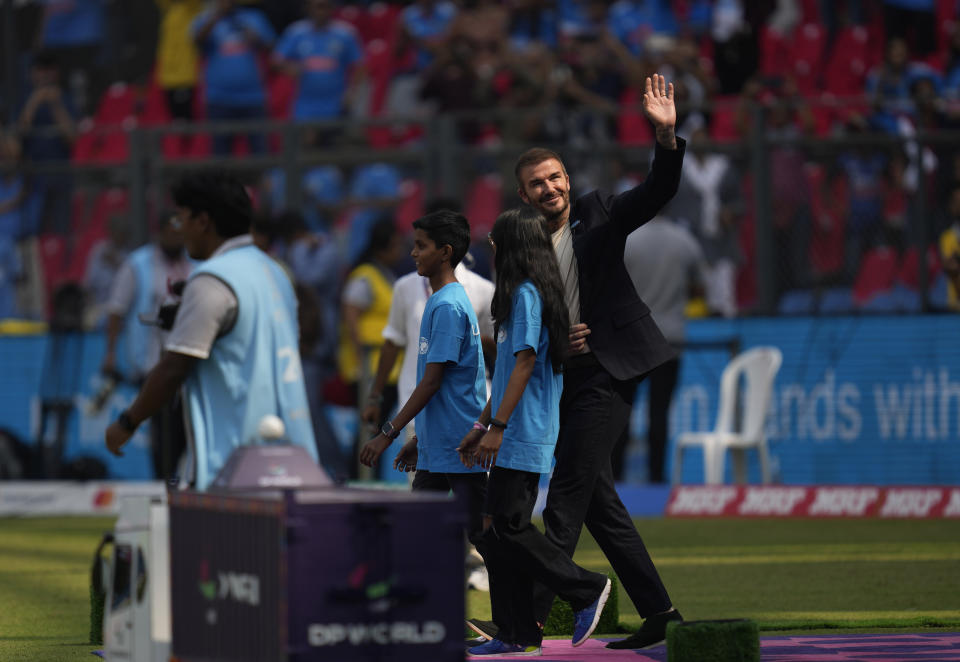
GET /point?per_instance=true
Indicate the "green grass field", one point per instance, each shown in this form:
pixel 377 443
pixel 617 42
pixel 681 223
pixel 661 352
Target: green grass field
pixel 789 575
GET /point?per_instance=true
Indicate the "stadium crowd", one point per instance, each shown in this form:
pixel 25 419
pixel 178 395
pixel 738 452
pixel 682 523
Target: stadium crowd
pixel 847 220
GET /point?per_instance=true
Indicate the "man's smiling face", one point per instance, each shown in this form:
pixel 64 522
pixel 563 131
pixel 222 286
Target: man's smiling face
pixel 545 186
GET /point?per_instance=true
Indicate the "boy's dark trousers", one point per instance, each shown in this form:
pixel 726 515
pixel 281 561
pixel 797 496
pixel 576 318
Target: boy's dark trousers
pixel 469 489
pixel 517 555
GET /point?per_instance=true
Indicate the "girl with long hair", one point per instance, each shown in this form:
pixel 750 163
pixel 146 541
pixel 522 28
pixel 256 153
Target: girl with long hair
pixel 515 437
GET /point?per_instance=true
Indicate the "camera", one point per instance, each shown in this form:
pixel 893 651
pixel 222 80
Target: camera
pixel 167 312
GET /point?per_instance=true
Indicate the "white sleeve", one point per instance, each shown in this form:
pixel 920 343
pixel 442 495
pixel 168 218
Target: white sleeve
pixel 358 292
pixel 208 309
pixel 396 331
pixel 481 296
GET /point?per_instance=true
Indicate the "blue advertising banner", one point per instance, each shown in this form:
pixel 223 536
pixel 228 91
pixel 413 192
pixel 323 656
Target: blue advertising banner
pixel 858 400
pixel 35 368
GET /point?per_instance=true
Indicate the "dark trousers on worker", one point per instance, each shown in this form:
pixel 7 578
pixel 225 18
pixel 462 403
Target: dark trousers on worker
pixel 594 409
pixel 517 555
pixel 469 489
pixel 663 382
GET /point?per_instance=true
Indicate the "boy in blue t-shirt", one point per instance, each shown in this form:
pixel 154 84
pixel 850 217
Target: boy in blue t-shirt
pixel 450 374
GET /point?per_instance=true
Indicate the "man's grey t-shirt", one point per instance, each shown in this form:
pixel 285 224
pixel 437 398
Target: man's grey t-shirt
pixel 663 260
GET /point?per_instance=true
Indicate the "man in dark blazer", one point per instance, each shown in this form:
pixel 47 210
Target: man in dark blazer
pixel 614 344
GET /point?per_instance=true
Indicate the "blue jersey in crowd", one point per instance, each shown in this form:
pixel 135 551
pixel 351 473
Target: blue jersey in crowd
pixel 233 71
pixel 531 433
pixel 73 23
pixel 326 55
pixel 427 28
pixel 634 22
pixel 449 334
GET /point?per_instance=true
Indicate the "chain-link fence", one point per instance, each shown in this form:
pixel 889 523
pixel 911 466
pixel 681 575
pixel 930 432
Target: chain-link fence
pixel 795 214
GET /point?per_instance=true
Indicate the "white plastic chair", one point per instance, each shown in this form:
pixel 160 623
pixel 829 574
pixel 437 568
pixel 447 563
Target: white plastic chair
pixel 760 366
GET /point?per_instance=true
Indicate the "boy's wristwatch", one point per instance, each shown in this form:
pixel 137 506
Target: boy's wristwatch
pixel 388 431
pixel 124 421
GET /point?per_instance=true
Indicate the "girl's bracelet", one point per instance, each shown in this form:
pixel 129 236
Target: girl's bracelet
pixel 477 425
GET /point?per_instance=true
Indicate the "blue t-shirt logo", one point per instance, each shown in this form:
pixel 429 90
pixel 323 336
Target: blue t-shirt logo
pixel 502 336
pixel 424 345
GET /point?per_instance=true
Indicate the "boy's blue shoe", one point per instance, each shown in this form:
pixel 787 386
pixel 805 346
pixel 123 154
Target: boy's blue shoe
pixel 585 620
pixel 501 649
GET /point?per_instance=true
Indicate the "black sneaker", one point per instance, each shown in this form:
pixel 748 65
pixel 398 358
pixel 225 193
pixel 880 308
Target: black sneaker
pixel 486 629
pixel 652 632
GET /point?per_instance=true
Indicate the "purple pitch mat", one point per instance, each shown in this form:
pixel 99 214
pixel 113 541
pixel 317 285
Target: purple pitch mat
pixel 940 647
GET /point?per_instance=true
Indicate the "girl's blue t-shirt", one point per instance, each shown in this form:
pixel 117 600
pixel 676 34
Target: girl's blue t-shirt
pixel 531 433
pixel 449 334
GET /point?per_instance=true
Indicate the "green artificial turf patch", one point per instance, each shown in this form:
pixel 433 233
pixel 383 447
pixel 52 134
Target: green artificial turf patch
pixel 736 640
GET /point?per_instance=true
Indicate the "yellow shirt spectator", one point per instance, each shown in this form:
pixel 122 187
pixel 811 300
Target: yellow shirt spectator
pixel 176 52
pixel 949 246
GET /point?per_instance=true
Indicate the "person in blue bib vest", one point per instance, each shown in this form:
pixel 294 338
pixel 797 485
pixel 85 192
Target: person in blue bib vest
pixel 140 287
pixel 233 345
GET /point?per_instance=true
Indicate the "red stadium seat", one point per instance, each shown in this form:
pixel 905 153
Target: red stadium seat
pixel 53 261
pixel 811 11
pixel 156 112
pixel 807 55
pixel 106 140
pixel 824 111
pixel 411 204
pixel 381 21
pixel 848 62
pixel 119 103
pixel 908 273
pixel 281 90
pixel 877 273
pixel 828 206
pixel 746 239
pixel 484 203
pixel 633 128
pixel 946 12
pixel 354 15
pixel 774 53
pixel 723 120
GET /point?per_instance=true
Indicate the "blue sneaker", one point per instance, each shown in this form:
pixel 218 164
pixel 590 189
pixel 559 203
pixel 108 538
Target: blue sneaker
pixel 501 649
pixel 585 620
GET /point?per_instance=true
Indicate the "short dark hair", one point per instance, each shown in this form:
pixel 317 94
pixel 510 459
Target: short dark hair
pixel 221 195
pixel 447 227
pixel 533 156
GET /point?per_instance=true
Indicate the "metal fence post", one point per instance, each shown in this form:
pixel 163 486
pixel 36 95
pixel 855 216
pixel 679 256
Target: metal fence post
pixel 292 168
pixel 766 275
pixel 138 185
pixel 923 235
pixel 447 148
